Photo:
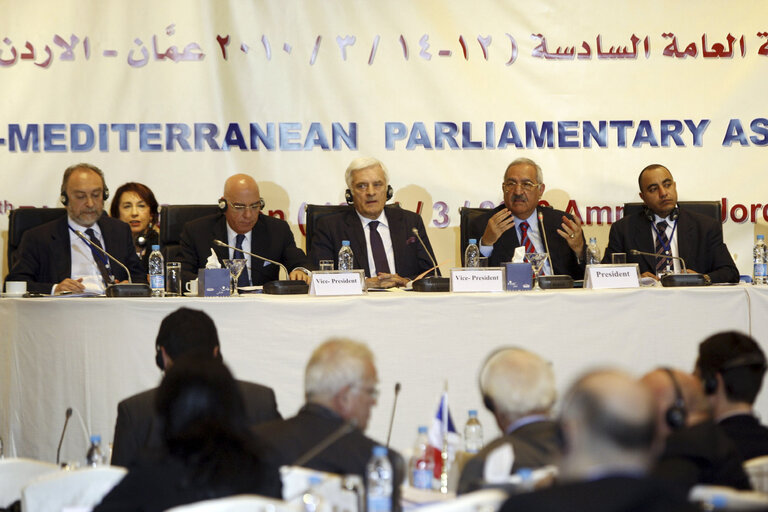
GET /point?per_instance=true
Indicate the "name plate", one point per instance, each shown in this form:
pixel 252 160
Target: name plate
pixel 489 279
pixel 337 282
pixel 612 276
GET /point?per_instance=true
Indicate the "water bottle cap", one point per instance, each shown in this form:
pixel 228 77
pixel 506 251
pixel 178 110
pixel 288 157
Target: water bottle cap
pixel 422 429
pixel 525 474
pixel 473 241
pixel 155 247
pixel 473 413
pixel 315 480
pixel 592 240
pixel 95 439
pixel 345 243
pixel 379 451
pixel 761 237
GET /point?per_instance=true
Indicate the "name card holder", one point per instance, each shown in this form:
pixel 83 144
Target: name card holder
pixel 621 275
pixel 487 279
pixel 337 282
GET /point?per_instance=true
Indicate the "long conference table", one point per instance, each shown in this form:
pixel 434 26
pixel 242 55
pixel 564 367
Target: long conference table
pixel 89 353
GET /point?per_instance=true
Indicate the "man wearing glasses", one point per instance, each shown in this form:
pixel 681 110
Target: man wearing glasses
pixel 382 240
pixel 517 223
pixel 241 224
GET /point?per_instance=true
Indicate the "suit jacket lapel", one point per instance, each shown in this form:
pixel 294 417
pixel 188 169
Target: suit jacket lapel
pixel 258 243
pixel 62 262
pixel 398 235
pixel 643 240
pixel 357 241
pixel 220 233
pixel 685 237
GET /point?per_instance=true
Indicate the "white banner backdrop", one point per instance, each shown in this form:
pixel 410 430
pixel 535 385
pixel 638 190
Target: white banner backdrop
pixel 179 95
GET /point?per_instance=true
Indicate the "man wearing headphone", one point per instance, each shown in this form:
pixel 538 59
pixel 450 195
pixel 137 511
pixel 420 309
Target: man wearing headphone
pixel 732 366
pixel 518 387
pixel 382 240
pixel 242 225
pixel 53 259
pixel 185 331
pixel 692 448
pixel 663 228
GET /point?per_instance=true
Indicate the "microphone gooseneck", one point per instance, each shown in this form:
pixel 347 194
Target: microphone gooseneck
pixel 546 243
pixel 326 442
pixel 392 416
pixel 434 263
pixel 635 252
pixel 105 253
pixel 68 415
pixel 282 267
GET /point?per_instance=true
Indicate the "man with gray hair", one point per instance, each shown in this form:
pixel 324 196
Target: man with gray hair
pixel 520 221
pixel 340 387
pixel 518 387
pixel 608 429
pixel 382 240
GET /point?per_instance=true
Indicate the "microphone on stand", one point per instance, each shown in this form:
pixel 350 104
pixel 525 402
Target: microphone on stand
pixel 683 279
pixel 63 430
pixel 129 289
pixel 554 280
pixel 392 416
pixel 546 244
pixel 279 286
pixel 432 283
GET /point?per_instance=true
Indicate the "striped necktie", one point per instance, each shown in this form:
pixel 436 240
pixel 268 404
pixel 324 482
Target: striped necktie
pixel 662 243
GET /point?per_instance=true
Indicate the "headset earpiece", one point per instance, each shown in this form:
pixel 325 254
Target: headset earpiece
pixel 159 361
pixel 222 205
pixel 677 413
pixel 390 192
pixel 348 197
pixel 64 198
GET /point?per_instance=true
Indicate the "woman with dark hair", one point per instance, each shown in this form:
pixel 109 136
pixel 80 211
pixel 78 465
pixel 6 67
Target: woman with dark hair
pixel 135 204
pixel 209 449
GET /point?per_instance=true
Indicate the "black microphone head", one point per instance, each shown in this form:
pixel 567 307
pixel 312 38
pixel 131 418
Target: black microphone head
pixel 397 387
pixel 69 412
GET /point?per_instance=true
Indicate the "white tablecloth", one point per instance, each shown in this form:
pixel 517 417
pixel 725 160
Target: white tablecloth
pixel 88 353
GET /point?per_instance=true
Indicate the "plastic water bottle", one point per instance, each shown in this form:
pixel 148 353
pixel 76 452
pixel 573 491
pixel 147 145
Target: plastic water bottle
pixel 94 457
pixel 380 478
pixel 346 258
pixel 157 272
pixel 472 254
pixel 2 453
pixel 759 254
pixel 473 433
pixel 593 252
pixel 422 462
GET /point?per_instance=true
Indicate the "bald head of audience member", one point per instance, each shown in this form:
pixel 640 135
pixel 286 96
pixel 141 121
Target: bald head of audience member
pixel 679 399
pixel 608 426
pixel 516 383
pixel 341 376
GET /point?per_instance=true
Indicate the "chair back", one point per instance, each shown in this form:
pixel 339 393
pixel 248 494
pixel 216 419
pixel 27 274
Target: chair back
pixel 466 217
pixel 711 209
pixel 757 469
pixel 82 488
pixel 16 473
pixel 172 220
pixel 22 219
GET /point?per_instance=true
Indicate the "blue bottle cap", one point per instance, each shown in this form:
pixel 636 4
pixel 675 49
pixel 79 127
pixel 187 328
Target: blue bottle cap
pixel 379 451
pixel 345 243
pixel 155 247
pixel 473 241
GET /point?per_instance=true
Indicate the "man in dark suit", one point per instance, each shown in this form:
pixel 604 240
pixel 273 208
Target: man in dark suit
pixel 608 429
pixel 340 385
pixel 382 240
pixel 139 429
pixel 520 221
pixel 241 224
pixel 693 449
pixel 664 229
pixel 732 366
pixel 53 259
pixel 518 387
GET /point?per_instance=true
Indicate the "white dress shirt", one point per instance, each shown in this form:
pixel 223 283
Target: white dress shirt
pixel 237 255
pixel 671 232
pixel 383 230
pixel 83 265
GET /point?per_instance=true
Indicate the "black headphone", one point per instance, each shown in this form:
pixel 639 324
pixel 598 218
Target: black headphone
pixel 65 198
pixel 350 199
pixel 677 413
pixel 673 215
pixel 223 204
pixel 709 375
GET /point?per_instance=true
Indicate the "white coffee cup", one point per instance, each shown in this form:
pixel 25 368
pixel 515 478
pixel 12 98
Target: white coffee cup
pixel 191 287
pixel 15 288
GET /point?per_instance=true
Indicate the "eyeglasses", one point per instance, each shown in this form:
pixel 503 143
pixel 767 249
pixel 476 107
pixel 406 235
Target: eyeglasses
pixel 526 185
pixel 371 391
pixel 362 187
pixel 242 207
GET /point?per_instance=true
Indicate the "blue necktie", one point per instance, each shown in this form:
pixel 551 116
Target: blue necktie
pixel 377 249
pixel 662 243
pixel 99 258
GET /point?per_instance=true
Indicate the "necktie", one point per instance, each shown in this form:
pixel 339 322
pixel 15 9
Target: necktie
pixel 529 247
pixel 243 280
pixel 98 257
pixel 377 248
pixel 662 243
